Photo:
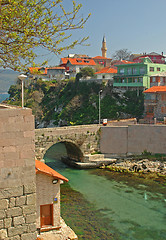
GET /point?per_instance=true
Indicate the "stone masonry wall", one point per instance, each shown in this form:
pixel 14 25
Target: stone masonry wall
pixel 17 174
pixel 85 137
pixel 133 139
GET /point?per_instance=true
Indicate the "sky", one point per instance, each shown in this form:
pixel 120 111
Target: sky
pixel 136 25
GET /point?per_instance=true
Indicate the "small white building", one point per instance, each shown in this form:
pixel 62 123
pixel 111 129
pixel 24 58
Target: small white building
pixel 106 73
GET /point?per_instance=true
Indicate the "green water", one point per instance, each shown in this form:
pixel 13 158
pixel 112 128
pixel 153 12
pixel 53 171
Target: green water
pixel 133 208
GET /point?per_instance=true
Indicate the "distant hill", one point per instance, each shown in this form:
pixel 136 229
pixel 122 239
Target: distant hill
pixel 7 78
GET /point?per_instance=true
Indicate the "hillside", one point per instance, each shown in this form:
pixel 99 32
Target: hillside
pixel 72 103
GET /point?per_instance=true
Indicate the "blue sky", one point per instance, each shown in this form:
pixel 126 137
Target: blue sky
pixel 138 25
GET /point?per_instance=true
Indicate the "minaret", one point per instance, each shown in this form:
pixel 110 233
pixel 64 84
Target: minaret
pixel 104 48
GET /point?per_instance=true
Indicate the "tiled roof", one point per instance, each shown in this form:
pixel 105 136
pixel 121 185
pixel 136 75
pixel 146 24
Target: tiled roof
pixel 81 61
pixel 155 89
pixel 107 70
pixel 121 62
pixel 41 167
pixel 100 57
pixel 42 70
pixel 64 60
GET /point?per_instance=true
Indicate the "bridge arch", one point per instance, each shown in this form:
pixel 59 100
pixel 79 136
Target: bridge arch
pixel 72 149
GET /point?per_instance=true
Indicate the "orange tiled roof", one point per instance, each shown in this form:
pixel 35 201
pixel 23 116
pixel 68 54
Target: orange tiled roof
pixel 64 60
pixel 121 62
pixel 82 61
pixel 41 70
pixel 155 89
pixel 41 167
pixel 100 57
pixel 107 70
pixel 36 70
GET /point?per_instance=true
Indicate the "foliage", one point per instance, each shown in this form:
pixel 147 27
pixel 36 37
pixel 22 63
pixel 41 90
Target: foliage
pixel 29 24
pixel 122 54
pixel 68 103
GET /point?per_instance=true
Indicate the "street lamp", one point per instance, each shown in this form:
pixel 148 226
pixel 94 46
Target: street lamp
pixel 22 77
pixel 99 106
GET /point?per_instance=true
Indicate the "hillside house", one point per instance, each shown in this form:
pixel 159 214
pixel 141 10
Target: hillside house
pixel 48 73
pixel 137 75
pixel 155 57
pixel 74 65
pixel 155 102
pixel 106 74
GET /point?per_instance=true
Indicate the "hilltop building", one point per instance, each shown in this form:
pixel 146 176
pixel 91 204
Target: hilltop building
pixel 106 74
pixel 155 102
pixel 137 75
pixel 155 57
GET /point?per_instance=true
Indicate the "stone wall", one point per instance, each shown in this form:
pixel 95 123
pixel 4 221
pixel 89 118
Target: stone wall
pixel 133 139
pixel 85 138
pixel 17 174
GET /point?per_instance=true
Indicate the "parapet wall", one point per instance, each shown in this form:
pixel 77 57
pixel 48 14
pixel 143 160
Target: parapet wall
pixel 133 139
pixel 17 174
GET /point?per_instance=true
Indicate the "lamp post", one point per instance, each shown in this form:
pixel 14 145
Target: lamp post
pixel 99 106
pixel 22 77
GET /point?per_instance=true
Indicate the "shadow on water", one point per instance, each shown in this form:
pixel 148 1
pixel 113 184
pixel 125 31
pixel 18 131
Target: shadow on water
pixel 99 204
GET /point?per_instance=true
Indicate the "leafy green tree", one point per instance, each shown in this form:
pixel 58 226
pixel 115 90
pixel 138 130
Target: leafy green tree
pixel 29 24
pixel 87 72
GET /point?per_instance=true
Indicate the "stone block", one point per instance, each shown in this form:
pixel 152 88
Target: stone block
pixel 14 212
pixel 29 209
pixel 31 218
pixel 29 236
pixel 17 230
pixel 31 199
pixel 20 200
pixel 7 222
pixel 17 237
pixel 1 224
pixel 2 214
pixel 11 192
pixel 29 188
pixel 32 227
pixel 3 234
pixel 4 203
pixel 18 220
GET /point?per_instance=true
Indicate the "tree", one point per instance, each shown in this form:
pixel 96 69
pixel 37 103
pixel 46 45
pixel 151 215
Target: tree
pixel 122 54
pixel 84 73
pixel 29 24
pixel 87 72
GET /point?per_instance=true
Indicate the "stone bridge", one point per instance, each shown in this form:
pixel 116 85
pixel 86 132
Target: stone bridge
pixel 79 140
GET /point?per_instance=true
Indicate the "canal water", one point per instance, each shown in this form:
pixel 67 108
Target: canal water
pixel 126 207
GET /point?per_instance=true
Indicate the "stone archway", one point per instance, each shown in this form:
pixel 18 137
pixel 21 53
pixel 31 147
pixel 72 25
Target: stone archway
pixel 73 151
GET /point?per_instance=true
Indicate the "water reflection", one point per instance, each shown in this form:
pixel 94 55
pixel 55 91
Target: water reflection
pixel 135 210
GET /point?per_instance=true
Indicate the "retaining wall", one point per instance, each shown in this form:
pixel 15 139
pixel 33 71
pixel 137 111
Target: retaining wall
pixel 133 139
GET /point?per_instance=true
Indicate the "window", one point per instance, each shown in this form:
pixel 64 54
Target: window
pixel 154 58
pixel 163 97
pixel 79 61
pixel 142 70
pixel 135 70
pixel 129 71
pixel 46 215
pixel 153 79
pixel 121 70
pixel 141 80
pixel 86 61
pixel 151 69
pixel 158 69
pixel 150 109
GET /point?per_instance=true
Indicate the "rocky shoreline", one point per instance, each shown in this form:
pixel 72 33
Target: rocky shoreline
pixel 138 166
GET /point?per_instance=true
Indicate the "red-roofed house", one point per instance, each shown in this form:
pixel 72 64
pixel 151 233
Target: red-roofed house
pixel 48 73
pixel 47 197
pixel 74 65
pixel 155 102
pixel 103 61
pixel 106 73
pixel 155 57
